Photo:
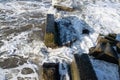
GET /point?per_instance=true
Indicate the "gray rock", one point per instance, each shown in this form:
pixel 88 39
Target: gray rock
pixel 12 62
pixel 1 43
pixel 8 76
pixel 20 78
pixel 27 71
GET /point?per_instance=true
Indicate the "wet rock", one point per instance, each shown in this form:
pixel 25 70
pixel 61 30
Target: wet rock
pixel 50 71
pixel 30 78
pixel 84 68
pixel 20 78
pixel 105 52
pixel 1 43
pixel 27 71
pixel 64 8
pixel 67 33
pixel 118 47
pixel 8 76
pixel 12 62
pixel 44 50
pixel 15 71
pixel 26 78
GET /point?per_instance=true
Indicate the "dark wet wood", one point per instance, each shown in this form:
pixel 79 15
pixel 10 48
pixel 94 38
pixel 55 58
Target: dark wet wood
pixel 50 71
pixel 64 8
pixel 84 68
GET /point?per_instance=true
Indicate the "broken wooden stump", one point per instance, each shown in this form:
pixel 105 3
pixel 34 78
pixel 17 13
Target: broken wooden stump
pixel 104 49
pixel 50 33
pixel 110 38
pixel 104 52
pixel 64 8
pixel 112 35
pixel 81 68
pixel 50 71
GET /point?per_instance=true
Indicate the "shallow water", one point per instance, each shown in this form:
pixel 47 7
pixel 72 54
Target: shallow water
pixel 22 30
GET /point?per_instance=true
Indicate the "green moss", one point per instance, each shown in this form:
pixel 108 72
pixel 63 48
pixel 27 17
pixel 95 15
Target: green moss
pixel 50 40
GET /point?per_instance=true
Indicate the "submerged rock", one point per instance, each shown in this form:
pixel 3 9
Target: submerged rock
pixel 27 71
pixel 1 43
pixel 12 62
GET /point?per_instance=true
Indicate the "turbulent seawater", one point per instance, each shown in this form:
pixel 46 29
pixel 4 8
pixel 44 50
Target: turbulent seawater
pixel 22 29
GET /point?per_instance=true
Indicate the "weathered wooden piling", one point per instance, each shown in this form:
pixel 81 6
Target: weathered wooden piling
pixel 104 49
pixel 50 71
pixel 119 66
pixel 110 38
pixel 64 8
pixel 81 68
pixel 74 71
pixel 50 33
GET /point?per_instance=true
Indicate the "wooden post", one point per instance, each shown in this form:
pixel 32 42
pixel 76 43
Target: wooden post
pixel 82 68
pixel 74 71
pixel 50 71
pixel 119 66
pixel 50 33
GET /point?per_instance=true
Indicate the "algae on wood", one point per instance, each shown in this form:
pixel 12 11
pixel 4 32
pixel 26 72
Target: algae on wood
pixel 50 35
pixel 49 40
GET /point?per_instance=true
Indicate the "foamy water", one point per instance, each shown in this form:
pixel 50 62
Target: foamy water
pixel 21 32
